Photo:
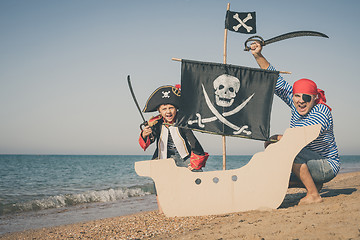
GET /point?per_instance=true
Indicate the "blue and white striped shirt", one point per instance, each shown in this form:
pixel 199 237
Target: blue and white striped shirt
pixel 324 144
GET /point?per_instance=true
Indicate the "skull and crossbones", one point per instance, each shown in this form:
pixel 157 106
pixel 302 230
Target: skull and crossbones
pixel 226 88
pixel 166 94
pixel 242 22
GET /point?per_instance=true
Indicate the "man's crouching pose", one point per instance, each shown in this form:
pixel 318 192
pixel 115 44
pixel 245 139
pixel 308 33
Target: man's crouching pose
pixel 319 161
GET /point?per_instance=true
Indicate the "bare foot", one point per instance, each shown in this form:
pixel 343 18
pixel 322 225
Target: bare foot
pixel 308 199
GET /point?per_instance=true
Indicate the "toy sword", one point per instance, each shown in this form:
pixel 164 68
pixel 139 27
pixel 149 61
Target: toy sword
pixel 133 96
pixel 145 123
pixel 282 37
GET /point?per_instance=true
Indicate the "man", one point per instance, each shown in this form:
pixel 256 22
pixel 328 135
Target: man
pixel 319 161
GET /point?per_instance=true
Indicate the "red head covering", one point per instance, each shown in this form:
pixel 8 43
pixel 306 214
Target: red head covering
pixel 307 86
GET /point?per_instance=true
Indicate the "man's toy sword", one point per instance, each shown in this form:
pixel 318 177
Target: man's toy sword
pixel 282 37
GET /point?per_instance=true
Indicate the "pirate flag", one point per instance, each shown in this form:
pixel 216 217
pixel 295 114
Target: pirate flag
pixel 226 99
pixel 242 22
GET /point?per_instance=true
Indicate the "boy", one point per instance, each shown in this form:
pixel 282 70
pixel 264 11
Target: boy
pixel 172 142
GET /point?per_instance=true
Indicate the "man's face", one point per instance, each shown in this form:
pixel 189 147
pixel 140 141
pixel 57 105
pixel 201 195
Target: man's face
pixel 303 103
pixel 168 112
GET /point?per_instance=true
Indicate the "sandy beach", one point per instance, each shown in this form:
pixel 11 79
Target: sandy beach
pixel 337 217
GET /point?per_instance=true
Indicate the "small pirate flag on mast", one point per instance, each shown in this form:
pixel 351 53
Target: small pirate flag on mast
pixel 241 22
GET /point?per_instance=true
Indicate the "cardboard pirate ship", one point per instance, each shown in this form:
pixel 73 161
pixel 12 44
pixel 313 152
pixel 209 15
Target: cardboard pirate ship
pixel 236 101
pixel 233 101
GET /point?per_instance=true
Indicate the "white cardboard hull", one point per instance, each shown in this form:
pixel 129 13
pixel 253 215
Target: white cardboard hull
pixel 261 184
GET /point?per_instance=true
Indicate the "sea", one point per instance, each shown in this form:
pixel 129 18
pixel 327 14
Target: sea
pixel 39 191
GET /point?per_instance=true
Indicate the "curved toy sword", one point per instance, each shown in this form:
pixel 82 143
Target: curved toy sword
pixel 134 98
pixel 145 123
pixel 283 37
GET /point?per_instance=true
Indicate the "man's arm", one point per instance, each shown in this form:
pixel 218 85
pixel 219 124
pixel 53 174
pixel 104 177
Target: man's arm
pixel 256 48
pixel 282 88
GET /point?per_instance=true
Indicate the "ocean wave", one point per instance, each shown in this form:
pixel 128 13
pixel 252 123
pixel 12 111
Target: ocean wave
pixel 68 200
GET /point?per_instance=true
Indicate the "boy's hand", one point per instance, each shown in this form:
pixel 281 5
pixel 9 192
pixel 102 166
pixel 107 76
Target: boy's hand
pixel 189 167
pixel 146 131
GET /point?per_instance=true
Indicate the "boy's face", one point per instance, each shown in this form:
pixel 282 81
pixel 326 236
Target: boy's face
pixel 168 112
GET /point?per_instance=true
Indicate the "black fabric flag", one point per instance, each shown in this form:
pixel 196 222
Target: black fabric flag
pixel 242 22
pixel 226 99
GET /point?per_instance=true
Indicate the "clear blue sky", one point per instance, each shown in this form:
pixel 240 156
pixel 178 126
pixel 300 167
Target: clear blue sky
pixel 63 66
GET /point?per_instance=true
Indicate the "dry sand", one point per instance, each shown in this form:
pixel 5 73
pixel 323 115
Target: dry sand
pixel 337 217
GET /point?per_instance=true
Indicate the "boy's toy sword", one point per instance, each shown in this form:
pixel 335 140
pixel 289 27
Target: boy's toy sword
pixel 136 102
pixel 282 37
pixel 145 123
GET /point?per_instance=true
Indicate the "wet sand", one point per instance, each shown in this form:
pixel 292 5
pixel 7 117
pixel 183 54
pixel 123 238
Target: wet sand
pixel 337 217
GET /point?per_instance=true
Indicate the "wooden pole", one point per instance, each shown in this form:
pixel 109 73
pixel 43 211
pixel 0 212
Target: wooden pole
pixel 176 59
pixel 225 37
pixel 225 56
pixel 179 60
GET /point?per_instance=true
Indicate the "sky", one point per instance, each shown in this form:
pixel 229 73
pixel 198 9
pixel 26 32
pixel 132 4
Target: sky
pixel 64 64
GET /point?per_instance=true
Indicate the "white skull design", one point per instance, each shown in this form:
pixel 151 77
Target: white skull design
pixel 226 87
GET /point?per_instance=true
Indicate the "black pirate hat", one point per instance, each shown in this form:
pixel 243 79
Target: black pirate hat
pixel 163 95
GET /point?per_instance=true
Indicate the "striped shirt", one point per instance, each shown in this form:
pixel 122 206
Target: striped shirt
pixel 324 144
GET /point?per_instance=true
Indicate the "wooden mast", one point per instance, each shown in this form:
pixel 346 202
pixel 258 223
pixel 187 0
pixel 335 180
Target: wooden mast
pixel 224 60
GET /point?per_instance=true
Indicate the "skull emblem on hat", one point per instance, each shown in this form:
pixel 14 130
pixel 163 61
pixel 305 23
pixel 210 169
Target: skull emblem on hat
pixel 226 87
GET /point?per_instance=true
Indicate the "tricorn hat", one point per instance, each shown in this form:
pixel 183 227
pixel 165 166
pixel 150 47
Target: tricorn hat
pixel 163 95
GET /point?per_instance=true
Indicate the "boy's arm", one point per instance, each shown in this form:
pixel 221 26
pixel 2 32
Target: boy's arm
pixel 198 161
pixel 144 138
pixel 198 157
pixel 144 142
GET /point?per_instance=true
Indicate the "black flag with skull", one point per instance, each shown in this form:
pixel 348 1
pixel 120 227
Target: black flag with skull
pixel 226 99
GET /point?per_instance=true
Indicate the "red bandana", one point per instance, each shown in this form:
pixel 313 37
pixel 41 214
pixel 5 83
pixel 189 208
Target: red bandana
pixel 309 87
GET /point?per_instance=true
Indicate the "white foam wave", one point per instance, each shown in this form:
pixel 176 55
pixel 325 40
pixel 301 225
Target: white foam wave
pixel 75 199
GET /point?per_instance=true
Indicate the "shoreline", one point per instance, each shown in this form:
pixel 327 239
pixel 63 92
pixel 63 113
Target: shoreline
pixel 337 217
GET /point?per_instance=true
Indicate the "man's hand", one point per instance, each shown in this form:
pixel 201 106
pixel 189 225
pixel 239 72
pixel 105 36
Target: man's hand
pixel 255 49
pixel 273 139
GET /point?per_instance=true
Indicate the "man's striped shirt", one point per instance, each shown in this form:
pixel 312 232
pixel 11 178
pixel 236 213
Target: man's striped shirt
pixel 324 144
